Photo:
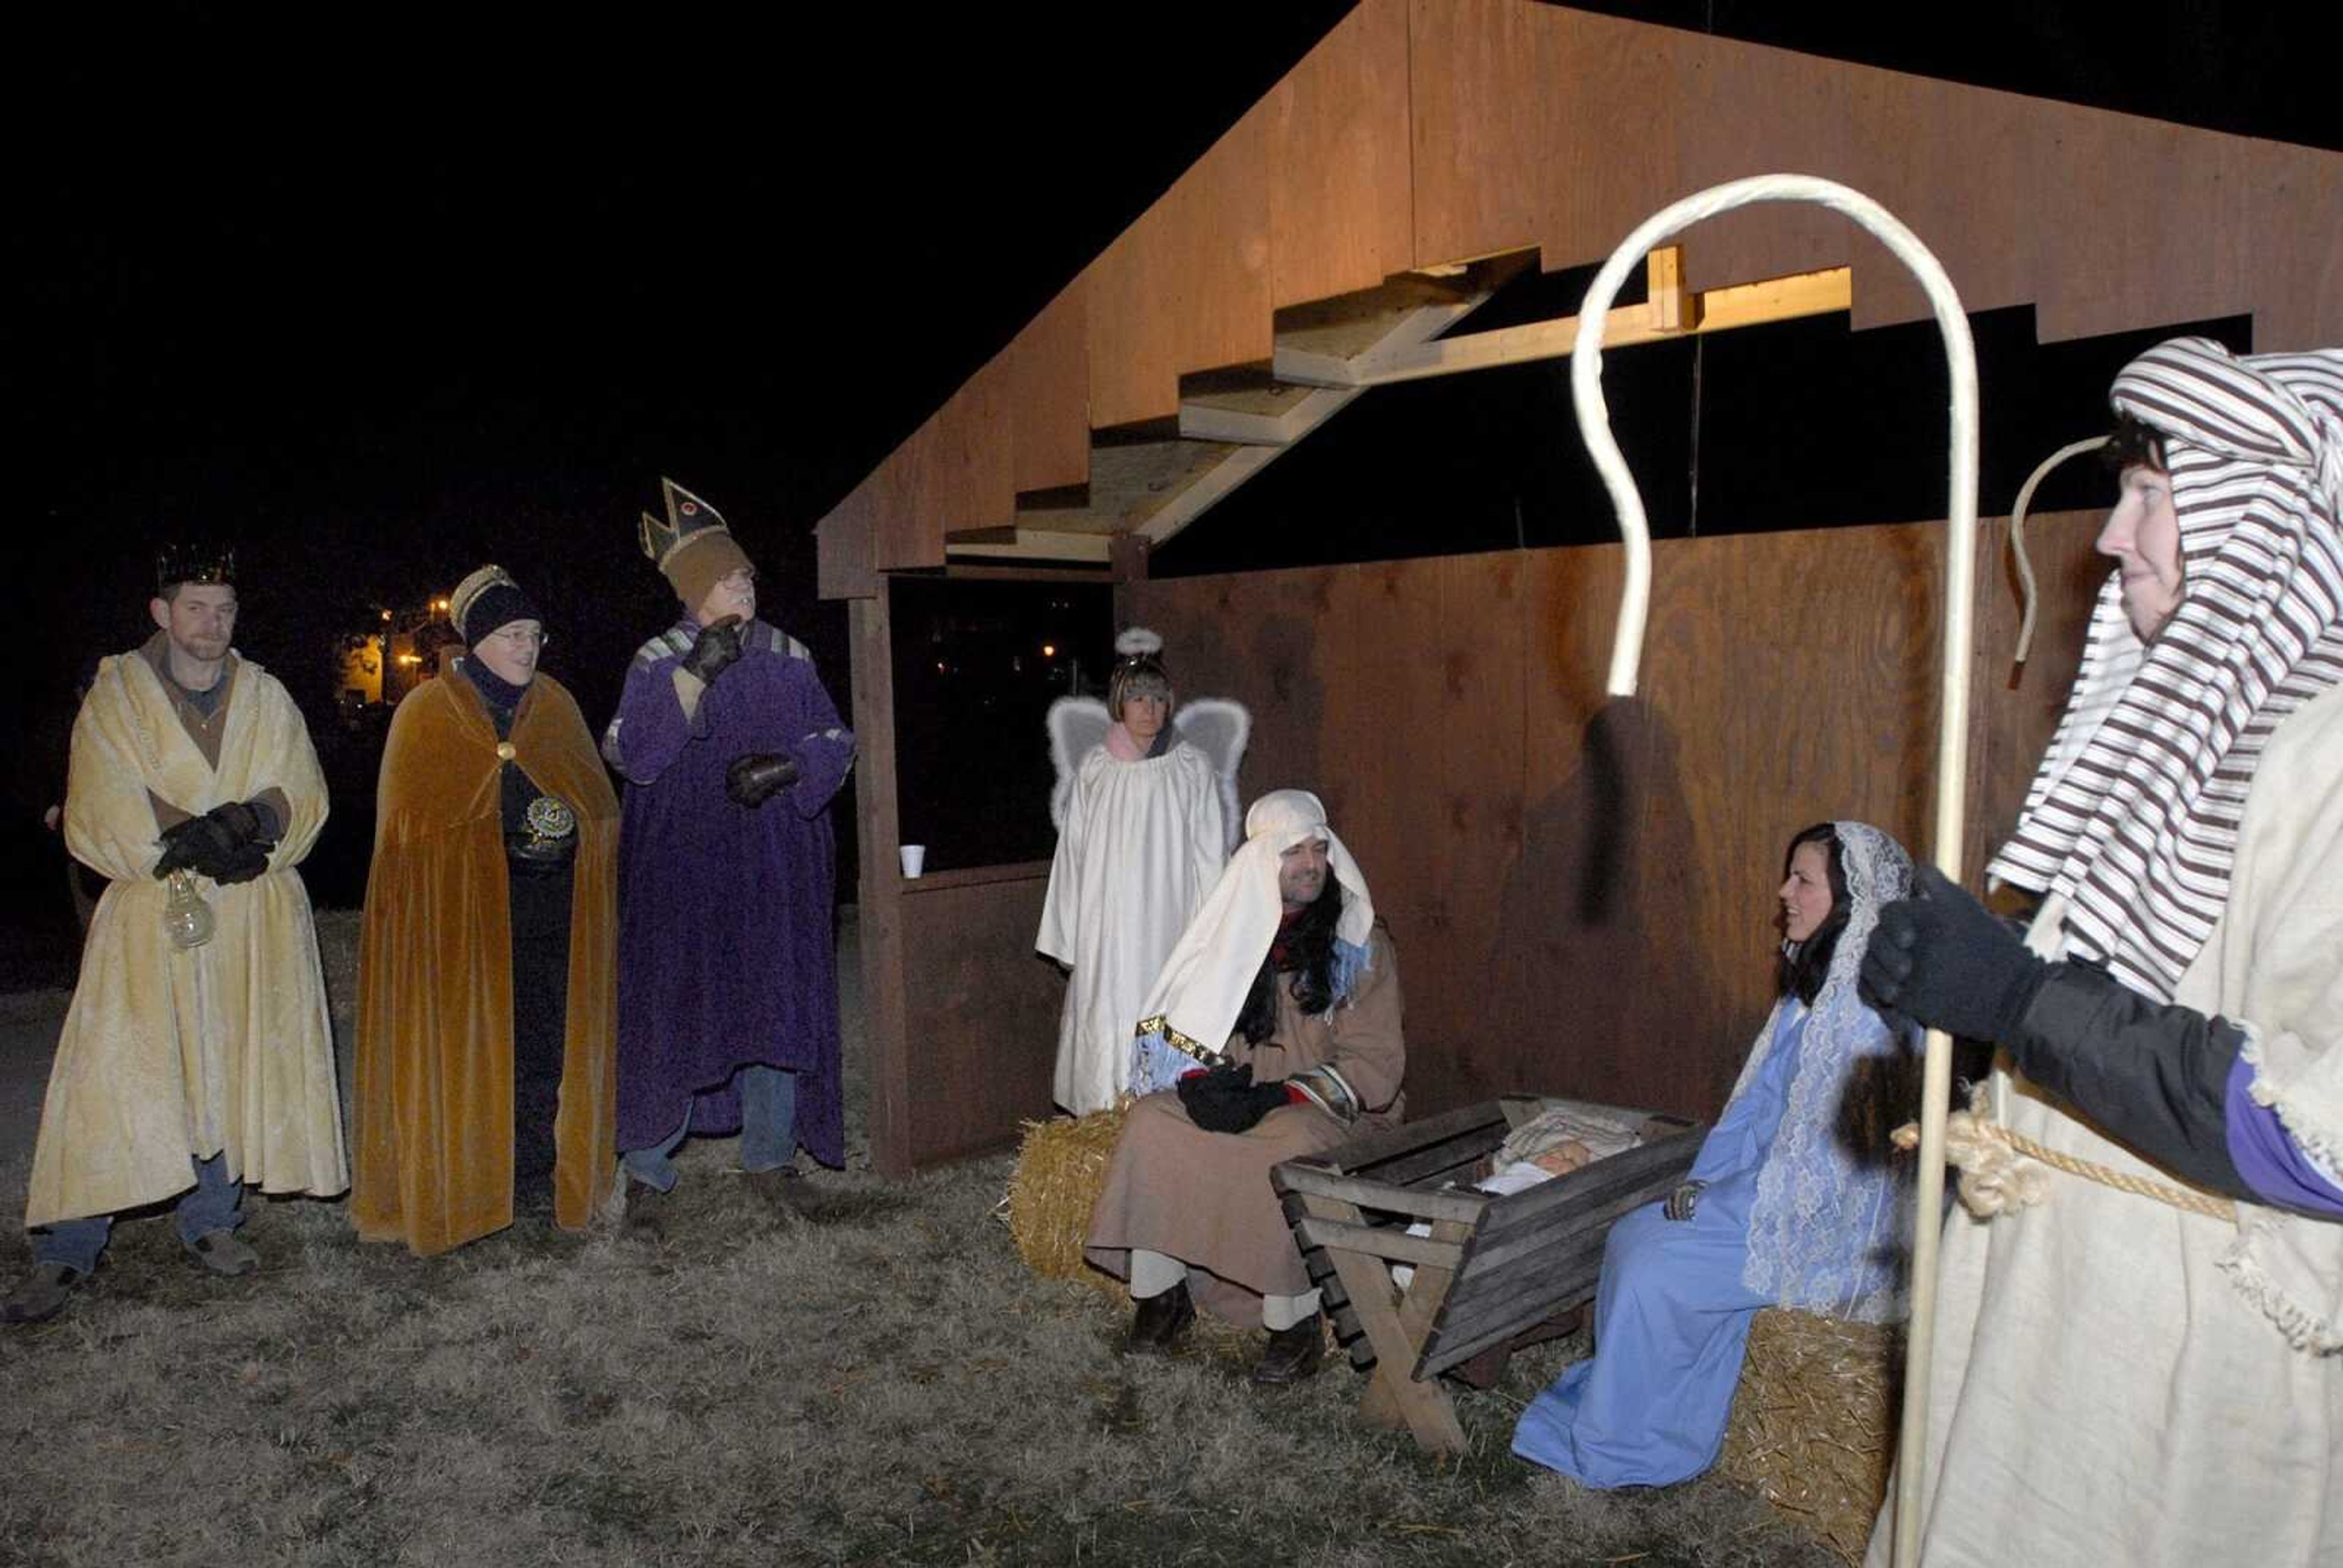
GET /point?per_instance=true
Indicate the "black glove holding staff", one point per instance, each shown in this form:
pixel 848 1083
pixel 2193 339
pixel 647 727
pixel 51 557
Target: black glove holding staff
pixel 2154 1075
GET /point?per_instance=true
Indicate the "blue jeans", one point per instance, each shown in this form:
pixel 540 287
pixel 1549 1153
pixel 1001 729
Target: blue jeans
pixel 768 1128
pixel 215 1203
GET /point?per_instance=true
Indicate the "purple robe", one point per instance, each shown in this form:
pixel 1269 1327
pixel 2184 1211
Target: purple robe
pixel 725 950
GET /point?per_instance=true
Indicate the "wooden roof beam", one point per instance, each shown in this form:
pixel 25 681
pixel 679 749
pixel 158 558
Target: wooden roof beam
pixel 1024 543
pixel 1671 312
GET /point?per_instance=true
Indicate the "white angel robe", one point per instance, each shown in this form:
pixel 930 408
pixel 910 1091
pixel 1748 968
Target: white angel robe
pixel 1141 844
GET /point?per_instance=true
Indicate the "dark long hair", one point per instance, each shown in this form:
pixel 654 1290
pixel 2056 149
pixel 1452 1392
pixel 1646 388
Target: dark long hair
pixel 1803 972
pixel 1309 953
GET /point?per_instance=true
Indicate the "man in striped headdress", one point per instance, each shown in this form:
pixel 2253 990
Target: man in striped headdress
pixel 2142 1366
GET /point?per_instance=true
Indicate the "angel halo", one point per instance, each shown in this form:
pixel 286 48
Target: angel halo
pixel 1215 726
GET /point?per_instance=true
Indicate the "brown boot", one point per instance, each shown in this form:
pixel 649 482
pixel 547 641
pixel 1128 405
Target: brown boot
pixel 1293 1353
pixel 1160 1322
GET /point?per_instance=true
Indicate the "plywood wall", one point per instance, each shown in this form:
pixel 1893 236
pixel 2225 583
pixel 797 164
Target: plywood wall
pixel 1436 131
pixel 1581 891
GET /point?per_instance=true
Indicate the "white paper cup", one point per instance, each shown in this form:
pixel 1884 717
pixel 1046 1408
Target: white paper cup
pixel 915 858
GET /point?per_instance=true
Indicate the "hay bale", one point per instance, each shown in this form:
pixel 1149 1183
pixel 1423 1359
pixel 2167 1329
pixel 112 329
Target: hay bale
pixel 1813 1422
pixel 1060 1166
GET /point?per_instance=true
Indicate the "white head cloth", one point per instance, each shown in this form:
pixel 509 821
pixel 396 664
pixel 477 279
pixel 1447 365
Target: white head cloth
pixel 1193 1005
pixel 2133 816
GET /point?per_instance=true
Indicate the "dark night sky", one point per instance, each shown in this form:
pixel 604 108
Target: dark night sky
pixel 382 296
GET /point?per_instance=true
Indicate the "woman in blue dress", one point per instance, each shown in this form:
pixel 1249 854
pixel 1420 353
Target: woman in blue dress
pixel 1797 1198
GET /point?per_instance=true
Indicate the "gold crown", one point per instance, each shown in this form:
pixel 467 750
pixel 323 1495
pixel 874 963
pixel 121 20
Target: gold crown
pixel 688 518
pixel 194 562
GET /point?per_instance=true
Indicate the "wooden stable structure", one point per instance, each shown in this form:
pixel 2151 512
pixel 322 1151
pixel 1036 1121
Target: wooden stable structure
pixel 1577 891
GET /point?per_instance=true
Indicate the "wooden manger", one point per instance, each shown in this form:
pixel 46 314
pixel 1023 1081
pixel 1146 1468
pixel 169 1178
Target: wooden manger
pixel 1493 1267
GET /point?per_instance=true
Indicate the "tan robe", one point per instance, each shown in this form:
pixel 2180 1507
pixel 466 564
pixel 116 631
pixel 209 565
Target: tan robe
pixel 223 1048
pixel 1204 1197
pixel 434 1101
pixel 2106 1387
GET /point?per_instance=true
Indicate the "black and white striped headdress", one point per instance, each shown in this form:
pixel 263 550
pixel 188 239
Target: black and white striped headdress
pixel 2134 815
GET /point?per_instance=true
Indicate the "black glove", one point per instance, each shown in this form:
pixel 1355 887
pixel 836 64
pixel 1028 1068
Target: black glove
pixel 756 777
pixel 239 866
pixel 1680 1202
pixel 716 650
pixel 220 841
pixel 180 841
pixel 1943 960
pixel 1226 1099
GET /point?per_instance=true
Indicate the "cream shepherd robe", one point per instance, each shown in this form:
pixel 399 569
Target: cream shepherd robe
pixel 2115 1381
pixel 168 1054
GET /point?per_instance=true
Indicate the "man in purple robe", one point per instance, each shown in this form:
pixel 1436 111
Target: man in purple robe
pixel 728 987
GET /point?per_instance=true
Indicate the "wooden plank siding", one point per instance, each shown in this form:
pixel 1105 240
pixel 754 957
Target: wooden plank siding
pixel 979 1015
pixel 1341 214
pixel 1581 892
pixel 1428 132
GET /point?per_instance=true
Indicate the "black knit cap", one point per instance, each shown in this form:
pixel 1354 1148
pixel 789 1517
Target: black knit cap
pixel 486 600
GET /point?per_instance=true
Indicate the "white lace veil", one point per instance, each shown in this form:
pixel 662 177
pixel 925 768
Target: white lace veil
pixel 1830 1230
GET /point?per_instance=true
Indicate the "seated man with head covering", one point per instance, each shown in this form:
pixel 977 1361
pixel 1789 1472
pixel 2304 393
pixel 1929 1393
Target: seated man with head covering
pixel 1273 1032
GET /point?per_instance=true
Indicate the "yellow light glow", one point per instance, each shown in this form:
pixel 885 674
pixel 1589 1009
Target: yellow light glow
pixel 410 659
pixel 385 615
pixel 1048 650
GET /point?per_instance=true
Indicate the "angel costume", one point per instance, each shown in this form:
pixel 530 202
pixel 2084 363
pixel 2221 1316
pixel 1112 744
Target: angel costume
pixel 1794 1213
pixel 219 1054
pixel 1142 836
pixel 2116 1379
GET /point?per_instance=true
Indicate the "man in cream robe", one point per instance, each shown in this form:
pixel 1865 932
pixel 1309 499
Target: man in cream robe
pixel 188 1070
pixel 2153 1374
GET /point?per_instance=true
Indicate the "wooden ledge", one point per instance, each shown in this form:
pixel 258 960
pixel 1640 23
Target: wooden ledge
pixel 975 877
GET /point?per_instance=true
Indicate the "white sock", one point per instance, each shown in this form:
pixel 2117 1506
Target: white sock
pixel 1153 1273
pixel 1284 1312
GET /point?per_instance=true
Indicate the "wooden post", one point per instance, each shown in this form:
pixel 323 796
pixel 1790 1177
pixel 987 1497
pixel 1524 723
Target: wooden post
pixel 1129 564
pixel 880 893
pixel 1667 297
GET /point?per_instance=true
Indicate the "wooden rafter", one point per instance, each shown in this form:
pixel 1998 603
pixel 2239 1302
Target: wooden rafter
pixel 1671 312
pixel 1151 483
pixel 1234 423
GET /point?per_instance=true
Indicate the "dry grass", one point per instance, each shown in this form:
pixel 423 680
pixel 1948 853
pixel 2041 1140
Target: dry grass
pixel 878 1378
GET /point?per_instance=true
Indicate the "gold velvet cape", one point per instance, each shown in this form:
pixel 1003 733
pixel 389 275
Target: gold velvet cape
pixel 433 1110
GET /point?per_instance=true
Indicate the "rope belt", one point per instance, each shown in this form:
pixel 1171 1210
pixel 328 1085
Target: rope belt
pixel 1996 1180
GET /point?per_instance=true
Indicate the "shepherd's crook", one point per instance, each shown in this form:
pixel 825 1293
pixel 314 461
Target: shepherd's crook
pixel 1952 743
